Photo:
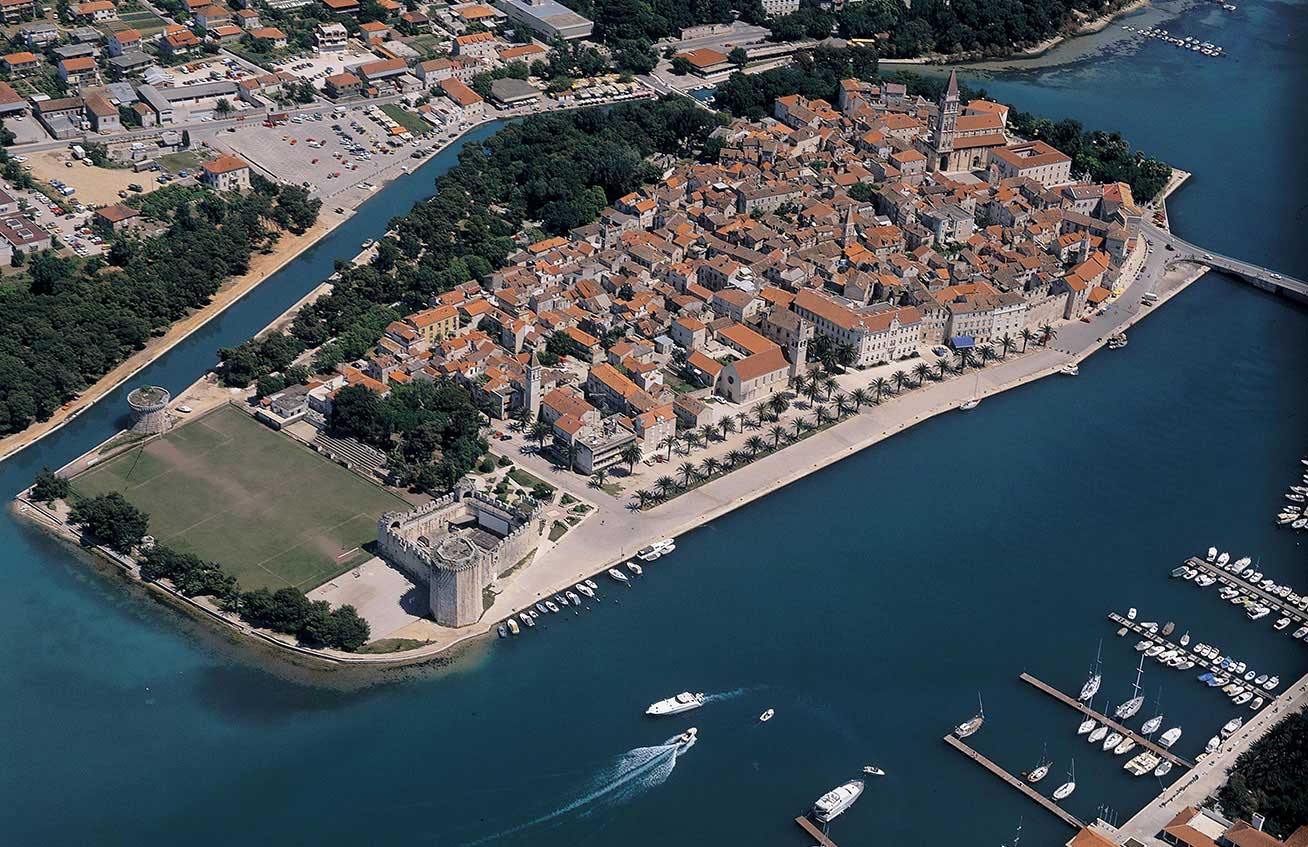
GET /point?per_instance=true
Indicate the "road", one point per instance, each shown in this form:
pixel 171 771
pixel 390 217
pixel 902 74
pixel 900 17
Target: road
pixel 1262 276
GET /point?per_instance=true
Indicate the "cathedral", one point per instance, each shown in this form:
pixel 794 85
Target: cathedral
pixel 961 140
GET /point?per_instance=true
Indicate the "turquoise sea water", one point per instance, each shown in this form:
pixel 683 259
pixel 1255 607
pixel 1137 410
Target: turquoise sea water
pixel 867 604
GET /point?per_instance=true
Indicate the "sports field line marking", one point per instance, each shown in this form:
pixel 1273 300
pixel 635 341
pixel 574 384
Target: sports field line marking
pixel 323 530
pixel 347 552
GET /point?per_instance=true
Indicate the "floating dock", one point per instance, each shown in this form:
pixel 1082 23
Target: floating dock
pixel 1049 805
pixel 813 832
pixel 1112 724
pixel 1299 616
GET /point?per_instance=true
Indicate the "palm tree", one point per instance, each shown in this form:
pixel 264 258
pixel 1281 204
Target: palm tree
pixel 842 403
pixel 746 420
pixel 631 455
pixel 778 404
pixel 881 385
pixel 943 369
pixel 539 432
pixel 829 385
pixel 922 371
pixel 755 445
pixel 735 457
pixel 599 476
pixel 964 358
pixel 573 450
pixel 1047 334
pixel 669 442
pixel 860 397
pixel 821 412
pixel 707 432
pixel 1026 335
pixel 692 440
pixel 726 426
pixel 688 472
pixel 800 424
pixel 813 387
pixel 777 432
pixel 665 485
pixel 987 353
pixel 710 466
pixel 643 496
pixel 1006 345
pixel 901 379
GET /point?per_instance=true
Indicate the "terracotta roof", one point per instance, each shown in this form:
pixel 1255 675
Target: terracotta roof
pixel 759 364
pixel 224 164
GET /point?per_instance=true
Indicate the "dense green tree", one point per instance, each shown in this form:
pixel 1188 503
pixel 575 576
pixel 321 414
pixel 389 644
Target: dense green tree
pixel 49 486
pixel 111 519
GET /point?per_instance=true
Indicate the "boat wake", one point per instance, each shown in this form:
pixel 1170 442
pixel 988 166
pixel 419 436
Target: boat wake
pixel 627 777
pixel 723 696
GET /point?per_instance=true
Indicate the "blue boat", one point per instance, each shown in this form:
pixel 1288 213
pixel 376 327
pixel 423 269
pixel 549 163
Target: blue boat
pixel 1208 678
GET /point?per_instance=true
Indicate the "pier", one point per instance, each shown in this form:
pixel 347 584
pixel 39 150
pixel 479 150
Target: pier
pixel 1049 805
pixel 1112 724
pixel 1278 604
pixel 813 832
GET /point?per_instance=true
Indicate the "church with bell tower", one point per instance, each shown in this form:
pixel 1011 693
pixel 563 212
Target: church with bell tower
pixel 945 127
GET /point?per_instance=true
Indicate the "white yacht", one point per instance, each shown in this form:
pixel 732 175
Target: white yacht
pixel 688 737
pixel 584 589
pixel 873 770
pixel 1065 790
pixel 683 702
pixel 1151 726
pixel 1167 739
pixel 1041 770
pixel 1271 683
pixel 1213 744
pixel 969 727
pixel 834 803
pixel 618 575
pixel 766 716
pixel 635 568
pixel 1164 768
pixel 1281 624
pixel 1212 553
pixel 1130 707
pixel 1223 559
pixel 1126 746
pixel 1232 727
pixel 1070 369
pixel 1091 687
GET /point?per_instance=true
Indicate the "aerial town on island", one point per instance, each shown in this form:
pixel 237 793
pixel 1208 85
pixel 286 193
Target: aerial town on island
pixel 783 291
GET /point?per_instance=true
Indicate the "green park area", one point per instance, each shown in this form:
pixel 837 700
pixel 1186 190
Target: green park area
pixel 226 488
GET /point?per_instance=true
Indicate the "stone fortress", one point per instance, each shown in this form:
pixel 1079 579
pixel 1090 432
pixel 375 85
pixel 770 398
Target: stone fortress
pixel 457 545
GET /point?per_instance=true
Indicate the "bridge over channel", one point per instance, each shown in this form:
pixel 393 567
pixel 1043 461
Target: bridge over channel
pixel 1257 275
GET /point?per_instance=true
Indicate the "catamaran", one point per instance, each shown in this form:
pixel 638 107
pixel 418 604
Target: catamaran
pixel 1091 687
pixel 969 727
pixel 1130 707
pixel 1065 790
pixel 834 803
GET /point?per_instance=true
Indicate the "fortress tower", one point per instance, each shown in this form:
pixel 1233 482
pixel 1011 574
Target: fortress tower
pixel 149 405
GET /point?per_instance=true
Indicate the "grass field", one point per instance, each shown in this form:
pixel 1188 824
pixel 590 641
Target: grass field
pixel 228 489
pixel 406 119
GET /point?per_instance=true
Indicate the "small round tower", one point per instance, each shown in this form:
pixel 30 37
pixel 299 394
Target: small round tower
pixel 149 409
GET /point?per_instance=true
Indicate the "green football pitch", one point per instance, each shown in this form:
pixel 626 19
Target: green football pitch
pixel 228 489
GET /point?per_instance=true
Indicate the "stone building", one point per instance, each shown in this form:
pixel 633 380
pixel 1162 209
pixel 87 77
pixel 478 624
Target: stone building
pixel 457 545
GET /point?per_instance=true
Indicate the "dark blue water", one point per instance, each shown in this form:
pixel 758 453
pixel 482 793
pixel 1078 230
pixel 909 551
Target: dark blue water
pixel 867 604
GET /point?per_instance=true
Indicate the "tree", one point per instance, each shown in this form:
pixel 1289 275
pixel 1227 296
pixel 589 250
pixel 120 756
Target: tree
pixel 630 455
pixel 710 466
pixel 738 57
pixel 111 519
pixel 599 476
pixel 1047 334
pixel 987 352
pixel 1007 345
pixel 688 472
pixel 665 486
pixel 755 445
pixel 223 107
pixel 540 432
pixel 357 413
pixel 777 432
pixel 922 371
pixel 860 398
pixel 49 487
pixel 880 384
pixel 669 442
pixel 735 458
pixel 1027 336
pixel 778 404
pixel 900 379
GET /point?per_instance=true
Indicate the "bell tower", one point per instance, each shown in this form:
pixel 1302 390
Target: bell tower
pixel 946 124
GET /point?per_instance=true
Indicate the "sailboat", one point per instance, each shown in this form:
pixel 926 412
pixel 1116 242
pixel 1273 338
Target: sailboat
pixel 976 399
pixel 1041 770
pixel 1065 790
pixel 1091 687
pixel 967 728
pixel 1151 726
pixel 1130 707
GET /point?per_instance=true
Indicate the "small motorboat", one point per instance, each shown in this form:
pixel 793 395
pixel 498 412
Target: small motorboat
pixel 970 404
pixel 513 626
pixel 552 606
pixel 1213 744
pixel 688 737
pixel 1126 746
pixel 1087 725
pixel 1167 739
pixel 873 770
pixel 540 607
pixel 1131 613
pixel 766 716
pixel 1163 769
pixel 635 568
pixel 618 575
pixel 1281 624
pixel 1243 698
pixel 1141 646
pixel 185 410
pixel 502 630
pixel 1185 639
pixel 1212 553
pixel 1041 770
pixel 1070 369
pixel 584 589
pixel 1271 683
pixel 590 583
pixel 1223 559
pixel 1232 727
pixel 573 598
pixel 1257 703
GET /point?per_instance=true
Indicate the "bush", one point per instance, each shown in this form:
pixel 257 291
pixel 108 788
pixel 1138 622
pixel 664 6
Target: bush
pixel 111 519
pixel 49 487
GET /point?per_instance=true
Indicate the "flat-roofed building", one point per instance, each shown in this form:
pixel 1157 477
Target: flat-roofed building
pixel 549 18
pixel 331 37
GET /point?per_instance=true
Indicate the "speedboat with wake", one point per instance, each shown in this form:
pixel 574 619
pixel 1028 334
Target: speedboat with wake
pixel 837 801
pixel 688 737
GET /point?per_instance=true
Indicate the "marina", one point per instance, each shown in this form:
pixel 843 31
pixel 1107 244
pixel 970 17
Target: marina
pixel 1275 602
pixel 1113 725
pixel 1043 801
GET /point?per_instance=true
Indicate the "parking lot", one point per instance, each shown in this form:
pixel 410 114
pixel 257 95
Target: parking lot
pixel 65 219
pixel 327 153
pixel 316 68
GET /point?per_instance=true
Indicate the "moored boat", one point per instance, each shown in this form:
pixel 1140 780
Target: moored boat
pixel 1164 767
pixel 1167 739
pixel 969 727
pixel 1098 735
pixel 836 801
pixel 618 575
pixel 1065 790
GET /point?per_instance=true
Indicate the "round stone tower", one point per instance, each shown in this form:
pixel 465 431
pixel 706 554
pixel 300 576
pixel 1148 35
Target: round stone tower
pixel 149 409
